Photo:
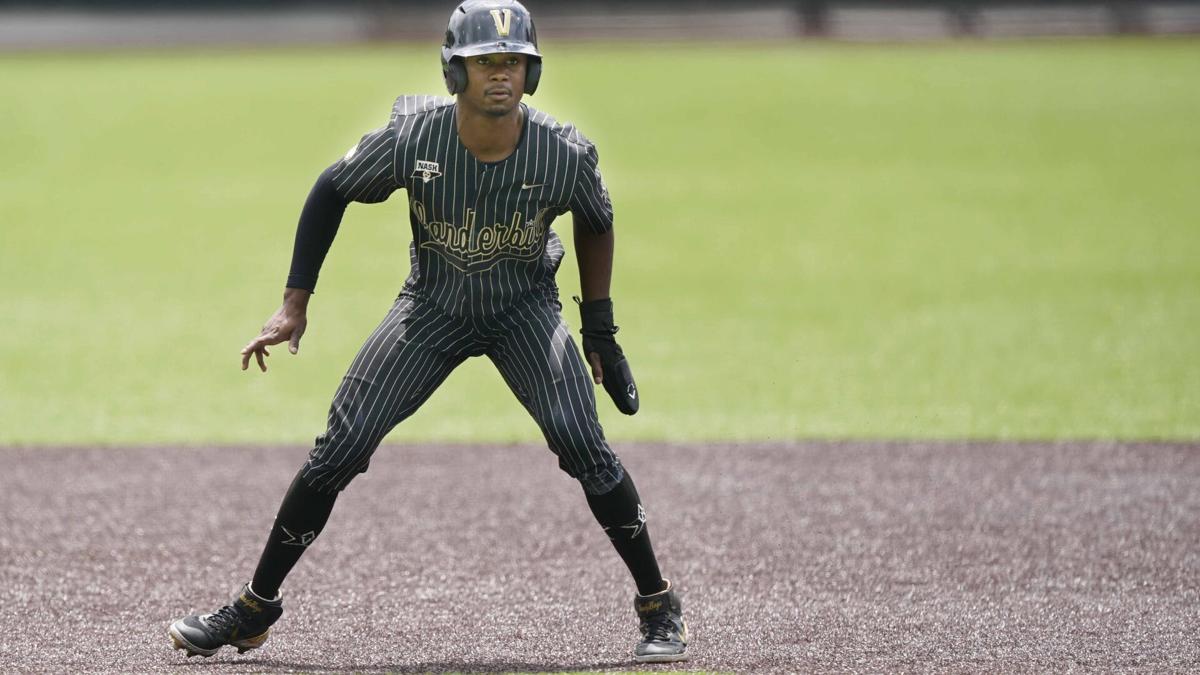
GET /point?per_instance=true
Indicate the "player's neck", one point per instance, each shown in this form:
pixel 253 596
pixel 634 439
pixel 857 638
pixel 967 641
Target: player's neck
pixel 488 137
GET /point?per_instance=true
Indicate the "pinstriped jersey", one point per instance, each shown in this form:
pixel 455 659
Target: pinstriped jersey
pixel 482 237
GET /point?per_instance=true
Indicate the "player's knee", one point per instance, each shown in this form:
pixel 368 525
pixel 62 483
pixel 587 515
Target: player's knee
pixel 568 435
pixel 333 478
pixel 600 477
pixel 582 452
pixel 595 467
pixel 339 456
pixel 554 425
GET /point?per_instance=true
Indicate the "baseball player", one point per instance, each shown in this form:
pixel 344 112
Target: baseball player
pixel 486 177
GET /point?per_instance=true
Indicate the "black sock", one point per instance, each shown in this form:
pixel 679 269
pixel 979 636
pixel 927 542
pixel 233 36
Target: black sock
pixel 619 511
pixel 301 518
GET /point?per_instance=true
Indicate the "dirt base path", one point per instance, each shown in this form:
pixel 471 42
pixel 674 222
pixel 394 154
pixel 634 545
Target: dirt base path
pixel 813 556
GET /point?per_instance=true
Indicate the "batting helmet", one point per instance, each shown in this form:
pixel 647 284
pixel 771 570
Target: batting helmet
pixel 489 27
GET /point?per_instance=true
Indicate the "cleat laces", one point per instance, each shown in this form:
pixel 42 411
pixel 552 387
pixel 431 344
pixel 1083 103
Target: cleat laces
pixel 658 628
pixel 224 619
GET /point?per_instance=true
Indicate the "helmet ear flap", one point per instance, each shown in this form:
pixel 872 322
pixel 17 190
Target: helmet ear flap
pixel 533 74
pixel 455 73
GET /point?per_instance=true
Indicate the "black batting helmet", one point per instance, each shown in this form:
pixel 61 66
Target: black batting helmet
pixel 489 27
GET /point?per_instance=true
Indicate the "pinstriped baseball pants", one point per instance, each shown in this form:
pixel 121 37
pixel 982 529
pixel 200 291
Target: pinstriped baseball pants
pixel 417 346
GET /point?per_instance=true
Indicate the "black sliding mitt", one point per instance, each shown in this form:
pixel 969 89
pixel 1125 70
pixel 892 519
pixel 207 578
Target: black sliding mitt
pixel 598 331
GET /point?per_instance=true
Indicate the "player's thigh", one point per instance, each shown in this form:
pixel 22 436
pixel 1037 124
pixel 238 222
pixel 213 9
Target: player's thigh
pixel 408 355
pixel 542 365
pixel 399 366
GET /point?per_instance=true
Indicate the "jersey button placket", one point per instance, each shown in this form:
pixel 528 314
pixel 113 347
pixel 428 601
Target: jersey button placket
pixel 481 176
pixel 480 221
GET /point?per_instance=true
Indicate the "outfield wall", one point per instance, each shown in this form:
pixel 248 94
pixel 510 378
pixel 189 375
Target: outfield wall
pixel 68 25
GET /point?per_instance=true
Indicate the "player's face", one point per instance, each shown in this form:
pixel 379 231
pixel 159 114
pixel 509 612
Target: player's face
pixel 495 82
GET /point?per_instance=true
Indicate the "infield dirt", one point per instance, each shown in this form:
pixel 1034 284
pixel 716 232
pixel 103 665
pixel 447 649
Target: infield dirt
pixel 859 556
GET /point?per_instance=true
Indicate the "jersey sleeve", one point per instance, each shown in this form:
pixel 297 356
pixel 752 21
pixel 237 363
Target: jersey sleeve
pixel 367 173
pixel 590 205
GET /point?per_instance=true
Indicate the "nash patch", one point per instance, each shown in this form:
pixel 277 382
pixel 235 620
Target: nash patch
pixel 426 170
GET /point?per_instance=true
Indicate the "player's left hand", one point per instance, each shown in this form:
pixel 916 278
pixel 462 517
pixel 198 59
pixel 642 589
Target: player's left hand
pixel 609 365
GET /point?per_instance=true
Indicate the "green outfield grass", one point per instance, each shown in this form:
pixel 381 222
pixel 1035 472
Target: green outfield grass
pixel 960 240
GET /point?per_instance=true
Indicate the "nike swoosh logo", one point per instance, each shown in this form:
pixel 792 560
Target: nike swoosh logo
pixel 530 187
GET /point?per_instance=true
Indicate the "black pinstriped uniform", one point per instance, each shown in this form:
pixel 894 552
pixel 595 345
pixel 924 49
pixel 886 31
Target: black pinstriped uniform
pixel 483 260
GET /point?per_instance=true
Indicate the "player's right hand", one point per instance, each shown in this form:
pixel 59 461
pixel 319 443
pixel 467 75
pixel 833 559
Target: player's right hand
pixel 286 324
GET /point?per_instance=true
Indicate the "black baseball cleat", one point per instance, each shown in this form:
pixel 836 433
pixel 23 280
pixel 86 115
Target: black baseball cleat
pixel 664 633
pixel 244 623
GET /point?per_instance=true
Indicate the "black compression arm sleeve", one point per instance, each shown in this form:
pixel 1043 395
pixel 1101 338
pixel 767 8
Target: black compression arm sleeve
pixel 318 226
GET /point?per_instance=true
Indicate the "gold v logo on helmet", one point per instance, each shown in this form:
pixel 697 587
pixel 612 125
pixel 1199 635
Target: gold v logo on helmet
pixel 503 19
